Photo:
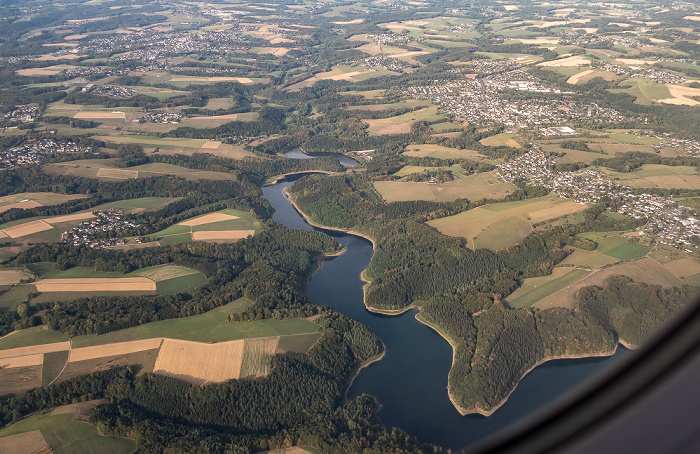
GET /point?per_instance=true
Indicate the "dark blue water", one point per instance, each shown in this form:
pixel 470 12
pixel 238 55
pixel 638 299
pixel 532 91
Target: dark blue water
pixel 410 381
pixel 296 153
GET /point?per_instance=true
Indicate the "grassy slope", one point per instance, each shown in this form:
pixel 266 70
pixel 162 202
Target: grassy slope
pixel 67 436
pixel 208 327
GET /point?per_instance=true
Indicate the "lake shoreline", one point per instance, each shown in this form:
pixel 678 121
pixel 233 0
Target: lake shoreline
pixel 462 410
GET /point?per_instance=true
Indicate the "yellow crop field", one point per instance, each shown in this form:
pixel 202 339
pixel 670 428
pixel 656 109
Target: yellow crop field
pixel 208 219
pixel 120 348
pixel 22 361
pixel 70 217
pixel 222 236
pixel 256 356
pixel 575 60
pixel 124 284
pixel 27 442
pixel 682 95
pixel 35 349
pixel 119 174
pixel 21 205
pixel 27 228
pixel 95 115
pixel 198 362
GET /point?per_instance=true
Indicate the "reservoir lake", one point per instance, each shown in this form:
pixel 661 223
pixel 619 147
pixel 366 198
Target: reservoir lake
pixel 410 382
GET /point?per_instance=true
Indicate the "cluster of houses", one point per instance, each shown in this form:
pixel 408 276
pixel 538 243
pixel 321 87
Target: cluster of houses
pixel 483 101
pixel 20 114
pixel 101 231
pixel 390 38
pixel 35 151
pixel 381 60
pixel 160 116
pixel 152 44
pixel 667 222
pixel 114 91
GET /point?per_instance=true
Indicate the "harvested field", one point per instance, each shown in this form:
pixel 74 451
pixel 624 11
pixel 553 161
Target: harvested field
pixel 9 277
pixel 501 139
pixel 118 174
pixel 276 51
pixel 24 443
pixel 387 126
pixel 682 95
pixel 125 284
pixel 22 361
pixel 27 228
pixel 121 348
pixel 645 270
pixel 208 219
pixel 440 152
pixel 588 259
pixel 348 22
pixel 256 356
pixel 35 349
pixel 683 267
pixel 222 236
pixel 240 80
pixel 210 145
pixel 145 361
pixel 94 115
pixel 573 80
pixel 575 60
pixel 199 363
pixel 38 71
pixel 70 218
pixel 20 205
pixel 54 363
pixel 535 288
pixel 17 380
pixel 560 209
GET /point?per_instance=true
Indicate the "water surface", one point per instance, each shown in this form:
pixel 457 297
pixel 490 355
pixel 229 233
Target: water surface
pixel 410 382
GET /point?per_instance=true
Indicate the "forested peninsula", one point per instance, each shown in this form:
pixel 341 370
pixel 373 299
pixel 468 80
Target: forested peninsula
pixel 462 293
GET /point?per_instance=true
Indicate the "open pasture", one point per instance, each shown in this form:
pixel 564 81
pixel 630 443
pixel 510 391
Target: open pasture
pixel 645 270
pixel 99 115
pixel 223 225
pixel 65 435
pixel 401 123
pixel 503 224
pixel 588 259
pixel 208 327
pixel 36 199
pixel 198 362
pixel 394 105
pixel 90 168
pixel 534 290
pixel 503 139
pixel 472 187
pixel 28 337
pixel 440 152
pixel 13 276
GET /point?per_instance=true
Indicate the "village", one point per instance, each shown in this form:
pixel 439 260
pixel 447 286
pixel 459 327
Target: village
pixel 667 222
pixel 100 232
pixel 487 100
pixel 37 151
